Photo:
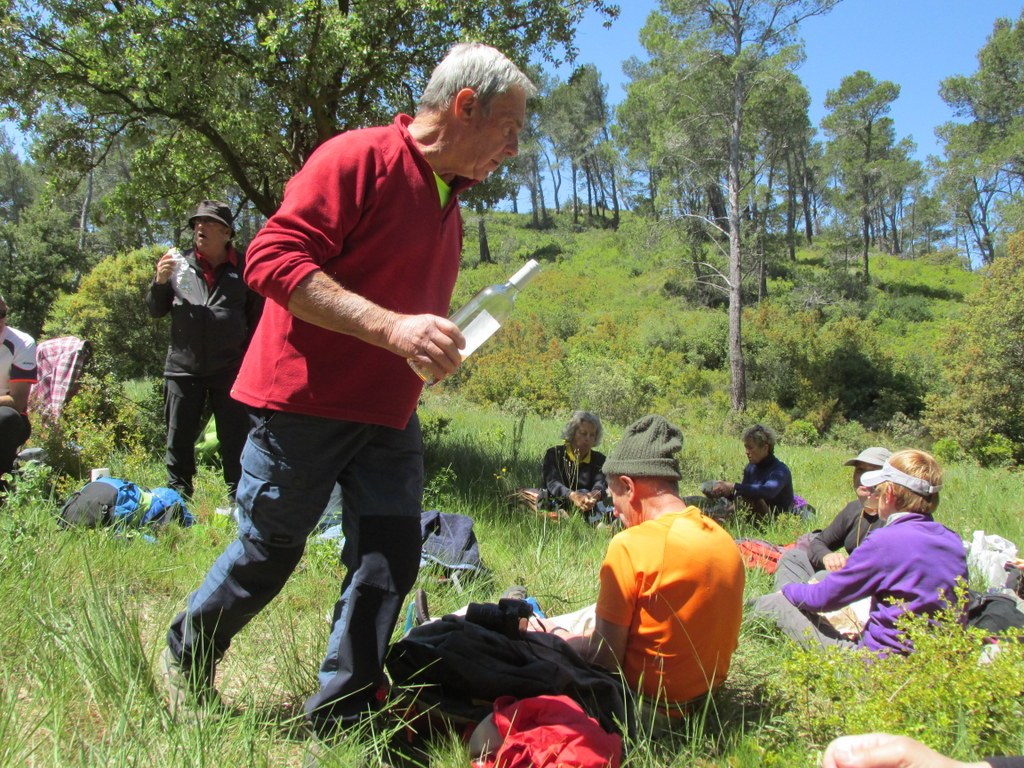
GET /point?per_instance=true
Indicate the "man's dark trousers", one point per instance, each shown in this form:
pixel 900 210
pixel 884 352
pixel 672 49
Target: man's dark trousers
pixel 185 400
pixel 290 465
pixel 14 431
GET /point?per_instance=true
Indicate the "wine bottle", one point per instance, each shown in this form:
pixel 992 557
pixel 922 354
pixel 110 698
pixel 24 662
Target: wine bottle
pixel 485 313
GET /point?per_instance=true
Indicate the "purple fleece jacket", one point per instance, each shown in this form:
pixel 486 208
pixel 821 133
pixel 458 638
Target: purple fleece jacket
pixel 913 563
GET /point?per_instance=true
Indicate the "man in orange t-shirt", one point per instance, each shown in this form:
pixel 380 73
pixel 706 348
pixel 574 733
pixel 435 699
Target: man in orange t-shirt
pixel 671 595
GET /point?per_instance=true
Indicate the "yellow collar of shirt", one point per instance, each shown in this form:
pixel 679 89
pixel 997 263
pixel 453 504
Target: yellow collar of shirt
pixel 571 455
pixel 443 190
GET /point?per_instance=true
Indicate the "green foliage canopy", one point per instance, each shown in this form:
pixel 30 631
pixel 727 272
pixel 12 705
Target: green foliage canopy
pixel 239 89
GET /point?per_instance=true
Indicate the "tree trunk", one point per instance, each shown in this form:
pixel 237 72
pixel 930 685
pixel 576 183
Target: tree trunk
pixel 865 239
pixel 805 194
pixel 481 228
pixel 652 192
pixel 534 185
pixel 790 208
pixel 575 194
pixel 540 193
pixel 83 219
pixel 556 180
pixel 737 365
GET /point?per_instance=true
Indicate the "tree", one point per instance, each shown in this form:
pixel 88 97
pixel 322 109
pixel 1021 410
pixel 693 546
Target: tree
pixel 576 119
pixel 861 137
pixel 725 50
pixel 237 94
pixel 992 99
pixel 983 167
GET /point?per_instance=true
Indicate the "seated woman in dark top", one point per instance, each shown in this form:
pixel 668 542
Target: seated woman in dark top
pixel 573 472
pixel 767 485
pixel 847 531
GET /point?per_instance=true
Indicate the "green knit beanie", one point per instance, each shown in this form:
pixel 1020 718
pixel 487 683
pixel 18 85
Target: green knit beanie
pixel 647 449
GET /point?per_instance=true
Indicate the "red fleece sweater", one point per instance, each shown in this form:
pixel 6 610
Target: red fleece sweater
pixel 364 209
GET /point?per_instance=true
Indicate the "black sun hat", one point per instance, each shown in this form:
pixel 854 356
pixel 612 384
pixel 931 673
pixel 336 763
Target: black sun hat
pixel 213 209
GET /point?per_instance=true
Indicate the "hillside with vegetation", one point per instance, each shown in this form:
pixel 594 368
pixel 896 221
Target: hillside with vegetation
pixel 617 323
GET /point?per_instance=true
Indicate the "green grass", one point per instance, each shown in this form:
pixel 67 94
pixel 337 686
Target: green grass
pixel 85 614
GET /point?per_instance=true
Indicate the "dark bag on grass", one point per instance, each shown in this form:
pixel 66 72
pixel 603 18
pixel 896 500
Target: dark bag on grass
pixel 995 613
pixel 449 543
pixel 91 507
pixel 111 501
pixel 458 668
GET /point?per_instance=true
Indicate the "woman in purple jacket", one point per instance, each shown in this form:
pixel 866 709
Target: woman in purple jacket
pixel 911 564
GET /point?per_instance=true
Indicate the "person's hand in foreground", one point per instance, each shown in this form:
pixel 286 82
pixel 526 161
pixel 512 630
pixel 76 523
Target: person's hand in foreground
pixel 834 561
pixel 883 750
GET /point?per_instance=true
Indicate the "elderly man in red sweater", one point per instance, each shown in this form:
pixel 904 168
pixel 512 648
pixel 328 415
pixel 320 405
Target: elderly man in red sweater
pixel 358 267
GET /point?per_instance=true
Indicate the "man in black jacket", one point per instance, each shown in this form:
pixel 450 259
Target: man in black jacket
pixel 213 316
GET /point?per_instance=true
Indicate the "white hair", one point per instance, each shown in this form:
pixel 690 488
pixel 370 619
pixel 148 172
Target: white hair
pixel 473 65
pixel 577 419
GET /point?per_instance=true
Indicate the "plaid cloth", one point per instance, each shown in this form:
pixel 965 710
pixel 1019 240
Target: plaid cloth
pixel 60 362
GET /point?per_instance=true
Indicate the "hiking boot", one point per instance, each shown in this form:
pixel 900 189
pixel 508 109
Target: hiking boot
pixel 422 611
pixel 187 689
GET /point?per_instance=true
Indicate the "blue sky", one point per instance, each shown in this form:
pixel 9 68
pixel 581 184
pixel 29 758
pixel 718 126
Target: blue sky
pixel 914 43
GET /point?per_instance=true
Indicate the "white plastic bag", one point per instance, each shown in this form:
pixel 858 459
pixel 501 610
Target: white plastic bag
pixel 184 280
pixel 986 555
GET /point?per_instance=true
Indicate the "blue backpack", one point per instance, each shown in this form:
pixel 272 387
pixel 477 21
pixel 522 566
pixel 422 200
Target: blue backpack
pixel 111 501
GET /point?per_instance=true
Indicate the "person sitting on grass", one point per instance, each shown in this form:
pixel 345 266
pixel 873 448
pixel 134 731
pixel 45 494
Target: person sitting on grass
pixel 573 471
pixel 767 485
pixel 17 375
pixel 847 531
pixel 670 598
pixel 911 564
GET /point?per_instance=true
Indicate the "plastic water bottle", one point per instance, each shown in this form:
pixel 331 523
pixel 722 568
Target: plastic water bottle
pixel 183 281
pixel 485 313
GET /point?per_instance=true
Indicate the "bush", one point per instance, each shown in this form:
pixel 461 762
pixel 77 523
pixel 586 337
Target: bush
pixel 948 451
pixel 940 694
pixel 849 434
pixel 109 311
pixel 905 430
pixel 801 432
pixel 101 426
pixel 982 404
pixel 996 451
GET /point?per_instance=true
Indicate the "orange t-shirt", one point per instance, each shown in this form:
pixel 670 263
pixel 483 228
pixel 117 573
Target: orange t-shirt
pixel 677 583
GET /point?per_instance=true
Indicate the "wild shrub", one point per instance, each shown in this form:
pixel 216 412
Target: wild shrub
pixel 99 424
pixel 947 450
pixel 701 337
pixel 905 430
pixel 943 693
pixel 109 310
pixel 810 365
pixel 984 374
pixel 848 434
pixel 521 363
pixel 800 432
